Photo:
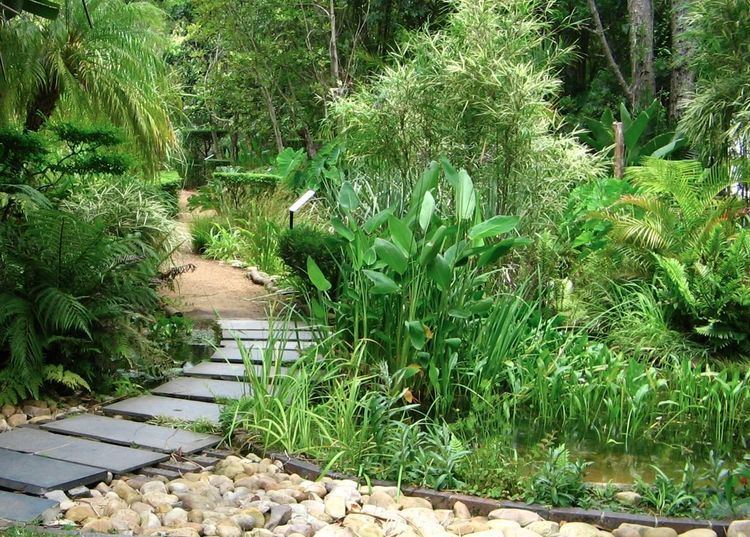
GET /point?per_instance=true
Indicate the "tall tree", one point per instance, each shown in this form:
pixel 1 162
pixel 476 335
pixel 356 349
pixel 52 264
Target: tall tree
pixel 683 77
pixel 643 75
pixel 106 63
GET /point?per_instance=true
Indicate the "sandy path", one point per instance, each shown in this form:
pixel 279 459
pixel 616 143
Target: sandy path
pixel 213 289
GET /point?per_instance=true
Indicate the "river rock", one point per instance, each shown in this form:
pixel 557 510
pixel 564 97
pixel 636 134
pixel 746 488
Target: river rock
pixel 80 513
pixel 197 501
pixel 545 528
pixel 407 502
pixel 334 531
pixel 335 506
pixel 579 529
pixel 4 425
pixel 153 487
pixel 97 525
pixel 161 501
pixel 699 532
pixel 175 518
pixel 8 410
pixel 503 525
pixel 229 467
pixel 522 516
pixel 519 532
pixel 628 497
pixel 739 528
pixel 16 419
pixel 461 511
pixel 279 515
pixel 125 520
pixel 660 532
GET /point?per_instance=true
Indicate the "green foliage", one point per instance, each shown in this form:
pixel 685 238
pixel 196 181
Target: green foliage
pixel 98 60
pixel 667 497
pixel 479 91
pixel 232 192
pixel 644 135
pixel 559 481
pixel 414 286
pixel 303 241
pixel 717 119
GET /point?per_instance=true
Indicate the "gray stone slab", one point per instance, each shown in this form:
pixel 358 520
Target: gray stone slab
pixel 226 371
pixel 116 459
pixel 21 508
pixel 256 324
pixel 146 407
pixel 203 389
pixel 276 334
pixel 36 475
pixel 132 433
pixel 255 355
pixel 262 345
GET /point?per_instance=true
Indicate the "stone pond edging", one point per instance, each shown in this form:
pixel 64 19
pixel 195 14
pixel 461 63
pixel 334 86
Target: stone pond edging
pixel 482 506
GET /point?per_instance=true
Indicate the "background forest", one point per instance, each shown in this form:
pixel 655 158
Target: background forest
pixel 501 299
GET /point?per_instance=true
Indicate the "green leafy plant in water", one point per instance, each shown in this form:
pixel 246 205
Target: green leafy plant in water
pixel 559 481
pixel 668 497
pixel 415 285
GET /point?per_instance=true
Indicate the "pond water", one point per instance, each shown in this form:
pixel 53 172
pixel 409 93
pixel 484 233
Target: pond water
pixel 618 463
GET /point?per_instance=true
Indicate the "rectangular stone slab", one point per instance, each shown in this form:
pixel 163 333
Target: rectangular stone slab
pixel 255 324
pixel 234 355
pixel 277 334
pixel 21 508
pixel 227 371
pixel 203 389
pixel 133 433
pixel 37 475
pixel 262 345
pixel 146 407
pixel 116 459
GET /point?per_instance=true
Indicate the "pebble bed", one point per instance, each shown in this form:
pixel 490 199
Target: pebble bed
pixel 254 497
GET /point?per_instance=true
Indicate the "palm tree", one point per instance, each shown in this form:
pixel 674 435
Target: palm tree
pixel 102 60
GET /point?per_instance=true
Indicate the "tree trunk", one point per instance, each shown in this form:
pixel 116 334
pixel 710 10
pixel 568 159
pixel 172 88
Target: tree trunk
pixel 643 77
pixel 599 29
pixel 333 46
pixel 273 118
pixel 41 107
pixel 683 77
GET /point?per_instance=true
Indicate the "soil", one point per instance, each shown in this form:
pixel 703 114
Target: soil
pixel 214 289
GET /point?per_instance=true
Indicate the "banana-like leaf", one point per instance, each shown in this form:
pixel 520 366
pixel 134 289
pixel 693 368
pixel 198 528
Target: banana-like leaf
pixel 383 285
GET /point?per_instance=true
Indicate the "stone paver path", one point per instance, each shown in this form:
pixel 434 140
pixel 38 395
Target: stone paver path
pixel 81 450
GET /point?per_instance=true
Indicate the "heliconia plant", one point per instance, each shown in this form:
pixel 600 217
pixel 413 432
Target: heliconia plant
pixel 415 285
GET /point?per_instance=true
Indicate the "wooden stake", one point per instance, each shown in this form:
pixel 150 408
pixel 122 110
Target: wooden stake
pixel 619 150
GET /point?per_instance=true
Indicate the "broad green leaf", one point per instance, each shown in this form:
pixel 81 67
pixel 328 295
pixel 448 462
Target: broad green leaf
pixel 495 252
pixel 425 212
pixel 401 234
pixel 377 220
pixel 634 132
pixel 453 342
pixel 451 175
pixel 391 255
pixel 434 375
pixel 625 117
pixel 341 228
pixel 316 275
pixel 370 256
pixel 348 199
pixel 466 197
pixel 493 227
pixel 383 285
pixel 416 334
pixel 427 182
pixel 666 150
pixel 431 248
pixel 441 273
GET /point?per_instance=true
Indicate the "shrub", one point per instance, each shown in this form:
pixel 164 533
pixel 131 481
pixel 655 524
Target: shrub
pixel 303 241
pixel 232 192
pixel 559 481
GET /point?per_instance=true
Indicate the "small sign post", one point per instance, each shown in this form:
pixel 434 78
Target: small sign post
pixel 297 205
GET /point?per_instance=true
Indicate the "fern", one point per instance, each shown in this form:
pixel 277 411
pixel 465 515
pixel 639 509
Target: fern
pixel 59 375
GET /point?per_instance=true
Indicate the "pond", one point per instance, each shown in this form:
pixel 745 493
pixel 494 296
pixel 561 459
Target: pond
pixel 619 463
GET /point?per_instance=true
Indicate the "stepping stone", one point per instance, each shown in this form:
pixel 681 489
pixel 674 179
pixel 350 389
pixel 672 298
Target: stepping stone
pixel 203 389
pixel 22 508
pixel 255 355
pixel 253 324
pixel 132 433
pixel 227 371
pixel 37 475
pixel 116 459
pixel 147 407
pixel 277 334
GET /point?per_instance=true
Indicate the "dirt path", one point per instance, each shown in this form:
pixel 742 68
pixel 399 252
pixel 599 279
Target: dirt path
pixel 214 289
